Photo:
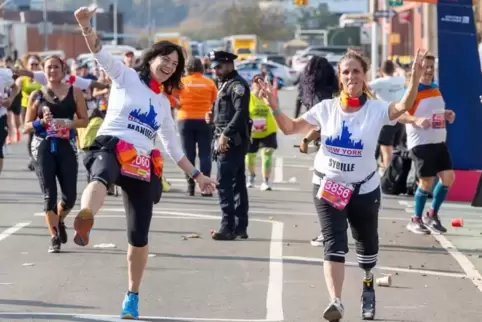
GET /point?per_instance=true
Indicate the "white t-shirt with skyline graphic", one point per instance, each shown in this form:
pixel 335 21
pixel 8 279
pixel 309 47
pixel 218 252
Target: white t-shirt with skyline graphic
pixel 348 141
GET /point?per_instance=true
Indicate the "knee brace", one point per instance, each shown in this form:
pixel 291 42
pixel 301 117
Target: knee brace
pixel 250 160
pixel 267 157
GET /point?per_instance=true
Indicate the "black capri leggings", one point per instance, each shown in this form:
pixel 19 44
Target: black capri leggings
pixel 3 133
pixel 139 196
pixel 61 164
pixel 362 214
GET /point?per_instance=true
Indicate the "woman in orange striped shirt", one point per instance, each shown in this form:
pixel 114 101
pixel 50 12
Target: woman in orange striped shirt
pixel 196 97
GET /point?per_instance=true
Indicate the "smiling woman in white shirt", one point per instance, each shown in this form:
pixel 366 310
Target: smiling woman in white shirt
pixel 346 186
pixel 123 152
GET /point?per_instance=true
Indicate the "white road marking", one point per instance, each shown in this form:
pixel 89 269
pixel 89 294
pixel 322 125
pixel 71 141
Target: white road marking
pixel 113 318
pixel 274 298
pixel 167 211
pixel 382 268
pixel 472 273
pixel 450 205
pixel 278 170
pixel 12 230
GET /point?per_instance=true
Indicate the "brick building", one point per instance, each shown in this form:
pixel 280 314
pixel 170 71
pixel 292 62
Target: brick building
pixel 65 33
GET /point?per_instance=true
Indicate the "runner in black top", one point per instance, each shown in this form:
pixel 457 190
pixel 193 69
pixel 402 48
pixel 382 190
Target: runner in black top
pixel 50 116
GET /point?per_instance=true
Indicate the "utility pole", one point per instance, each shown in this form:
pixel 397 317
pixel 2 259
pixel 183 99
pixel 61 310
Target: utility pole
pixel 149 23
pixel 45 23
pixel 430 41
pixel 116 36
pixel 374 47
pixel 384 31
pixel 94 18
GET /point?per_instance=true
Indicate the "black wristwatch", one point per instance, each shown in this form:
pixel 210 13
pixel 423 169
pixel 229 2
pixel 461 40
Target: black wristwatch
pixel 305 140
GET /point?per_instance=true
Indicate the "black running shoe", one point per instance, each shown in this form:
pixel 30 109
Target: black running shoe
pixel 55 245
pixel 62 232
pixel 432 222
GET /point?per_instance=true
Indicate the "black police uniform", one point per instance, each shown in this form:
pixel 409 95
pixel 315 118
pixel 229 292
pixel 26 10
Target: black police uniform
pixel 231 118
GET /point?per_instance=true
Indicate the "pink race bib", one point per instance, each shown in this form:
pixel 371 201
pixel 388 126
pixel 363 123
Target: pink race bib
pixel 138 168
pixel 337 194
pixel 438 121
pixel 259 124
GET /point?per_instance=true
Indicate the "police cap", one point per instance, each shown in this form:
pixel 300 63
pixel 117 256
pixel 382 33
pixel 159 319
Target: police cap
pixel 219 57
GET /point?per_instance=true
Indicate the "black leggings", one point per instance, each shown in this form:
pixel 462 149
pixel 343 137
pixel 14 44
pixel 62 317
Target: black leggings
pixel 362 214
pixel 3 133
pixel 29 145
pixel 62 165
pixel 139 196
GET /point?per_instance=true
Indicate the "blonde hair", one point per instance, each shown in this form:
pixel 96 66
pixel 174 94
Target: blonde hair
pixel 27 57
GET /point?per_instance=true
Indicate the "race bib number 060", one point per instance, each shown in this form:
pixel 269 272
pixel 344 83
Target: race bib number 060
pixel 337 194
pixel 139 168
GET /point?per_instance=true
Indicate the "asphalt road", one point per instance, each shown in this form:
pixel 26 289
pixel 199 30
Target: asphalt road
pixel 276 275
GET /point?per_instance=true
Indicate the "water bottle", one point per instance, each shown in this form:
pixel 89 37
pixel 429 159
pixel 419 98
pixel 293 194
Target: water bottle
pixel 51 129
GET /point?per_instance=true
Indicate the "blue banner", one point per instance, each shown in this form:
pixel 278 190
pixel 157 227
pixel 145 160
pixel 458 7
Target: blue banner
pixel 460 81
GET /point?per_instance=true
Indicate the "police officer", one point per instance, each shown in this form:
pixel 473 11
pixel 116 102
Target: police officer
pixel 232 127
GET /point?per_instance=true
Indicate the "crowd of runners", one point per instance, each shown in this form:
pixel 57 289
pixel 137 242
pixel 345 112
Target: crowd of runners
pixel 107 118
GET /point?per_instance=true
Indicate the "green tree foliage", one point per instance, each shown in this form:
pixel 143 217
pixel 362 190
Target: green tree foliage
pixel 248 18
pixel 317 18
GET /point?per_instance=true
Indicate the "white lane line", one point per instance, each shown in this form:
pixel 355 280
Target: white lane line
pixel 274 298
pixel 382 268
pixel 112 318
pixel 462 260
pixel 12 230
pixel 445 205
pixel 278 170
pixel 169 212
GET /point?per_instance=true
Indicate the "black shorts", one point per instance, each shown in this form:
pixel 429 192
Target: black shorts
pixel 362 215
pixel 391 135
pixel 3 133
pixel 139 196
pixel 268 142
pixel 16 107
pixel 430 159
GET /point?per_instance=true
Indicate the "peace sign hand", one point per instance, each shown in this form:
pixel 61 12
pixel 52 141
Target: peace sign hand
pixel 83 15
pixel 267 94
pixel 418 67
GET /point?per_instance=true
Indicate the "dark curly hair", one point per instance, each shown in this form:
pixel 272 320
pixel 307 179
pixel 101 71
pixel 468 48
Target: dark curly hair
pixel 318 81
pixel 162 48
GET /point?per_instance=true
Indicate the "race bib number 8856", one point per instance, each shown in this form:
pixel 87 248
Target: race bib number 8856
pixel 337 194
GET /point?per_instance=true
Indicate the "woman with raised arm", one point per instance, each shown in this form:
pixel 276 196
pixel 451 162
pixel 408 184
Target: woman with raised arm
pixel 123 152
pixel 346 186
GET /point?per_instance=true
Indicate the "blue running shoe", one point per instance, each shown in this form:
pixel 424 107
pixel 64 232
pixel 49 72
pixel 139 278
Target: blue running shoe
pixel 130 307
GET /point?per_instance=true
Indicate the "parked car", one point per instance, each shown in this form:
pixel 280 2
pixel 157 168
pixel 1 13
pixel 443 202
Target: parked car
pixel 280 59
pixel 285 75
